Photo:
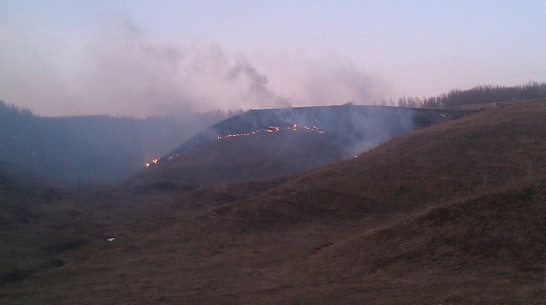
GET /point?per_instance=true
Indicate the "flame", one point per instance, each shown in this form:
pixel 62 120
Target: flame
pixel 152 162
pixel 272 129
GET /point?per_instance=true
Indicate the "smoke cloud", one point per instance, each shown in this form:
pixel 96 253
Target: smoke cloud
pixel 339 83
pixel 146 77
pixel 124 72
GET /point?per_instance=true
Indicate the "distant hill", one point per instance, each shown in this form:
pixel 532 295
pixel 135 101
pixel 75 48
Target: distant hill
pixel 60 150
pixel 353 128
pixel 261 144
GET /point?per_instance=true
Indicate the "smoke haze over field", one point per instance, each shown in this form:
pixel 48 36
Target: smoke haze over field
pixel 141 58
pixel 127 73
pixel 155 78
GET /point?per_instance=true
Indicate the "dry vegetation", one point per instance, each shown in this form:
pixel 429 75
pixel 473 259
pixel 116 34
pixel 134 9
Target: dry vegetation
pixel 239 159
pixel 450 214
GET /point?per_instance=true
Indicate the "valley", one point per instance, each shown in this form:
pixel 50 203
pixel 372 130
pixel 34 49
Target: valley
pixel 437 207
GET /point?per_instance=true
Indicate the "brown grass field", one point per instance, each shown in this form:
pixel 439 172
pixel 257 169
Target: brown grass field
pixel 448 214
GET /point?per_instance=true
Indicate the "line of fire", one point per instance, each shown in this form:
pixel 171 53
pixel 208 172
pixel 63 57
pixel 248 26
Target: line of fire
pixel 271 129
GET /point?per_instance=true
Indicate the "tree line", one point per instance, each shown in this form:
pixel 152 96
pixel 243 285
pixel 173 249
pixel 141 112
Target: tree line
pixel 477 95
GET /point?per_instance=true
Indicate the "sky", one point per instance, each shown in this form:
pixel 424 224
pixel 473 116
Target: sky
pixel 145 58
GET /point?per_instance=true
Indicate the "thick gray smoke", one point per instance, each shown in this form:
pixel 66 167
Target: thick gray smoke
pixel 257 84
pixel 152 78
pixel 342 82
pixel 356 129
pixel 143 77
pixel 122 71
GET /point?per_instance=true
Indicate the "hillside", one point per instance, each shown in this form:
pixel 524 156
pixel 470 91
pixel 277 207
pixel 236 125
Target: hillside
pixel 90 149
pixel 490 249
pixel 448 214
pixel 241 159
pixel 263 144
pixel 354 128
pixel 464 157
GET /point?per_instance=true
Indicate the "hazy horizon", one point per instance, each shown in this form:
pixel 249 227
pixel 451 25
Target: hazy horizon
pixel 137 58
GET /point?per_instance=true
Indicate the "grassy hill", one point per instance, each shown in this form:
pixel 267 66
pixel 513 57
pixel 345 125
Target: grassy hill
pixel 240 159
pixel 353 128
pixel 468 156
pixel 449 214
pixel 486 250
pixel 263 144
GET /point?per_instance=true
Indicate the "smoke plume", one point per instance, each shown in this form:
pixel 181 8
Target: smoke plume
pixel 125 72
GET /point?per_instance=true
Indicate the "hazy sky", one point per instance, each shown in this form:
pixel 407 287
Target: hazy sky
pixel 152 57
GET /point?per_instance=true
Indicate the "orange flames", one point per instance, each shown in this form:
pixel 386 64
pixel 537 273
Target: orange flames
pixel 153 161
pixel 272 129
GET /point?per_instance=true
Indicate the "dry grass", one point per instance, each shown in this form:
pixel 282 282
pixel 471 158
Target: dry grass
pixel 452 214
pixel 493 243
pixel 459 159
pixel 240 159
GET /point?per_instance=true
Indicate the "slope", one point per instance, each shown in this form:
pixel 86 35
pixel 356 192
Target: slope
pixel 489 249
pixel 464 157
pixel 443 214
pixel 269 143
pixel 354 128
pixel 240 159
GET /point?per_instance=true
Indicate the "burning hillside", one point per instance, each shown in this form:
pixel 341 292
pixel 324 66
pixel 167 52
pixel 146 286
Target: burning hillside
pixel 153 161
pixel 354 129
pixel 272 129
pixel 262 144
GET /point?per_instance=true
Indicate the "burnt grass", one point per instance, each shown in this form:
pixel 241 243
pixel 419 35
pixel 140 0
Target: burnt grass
pixel 448 214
